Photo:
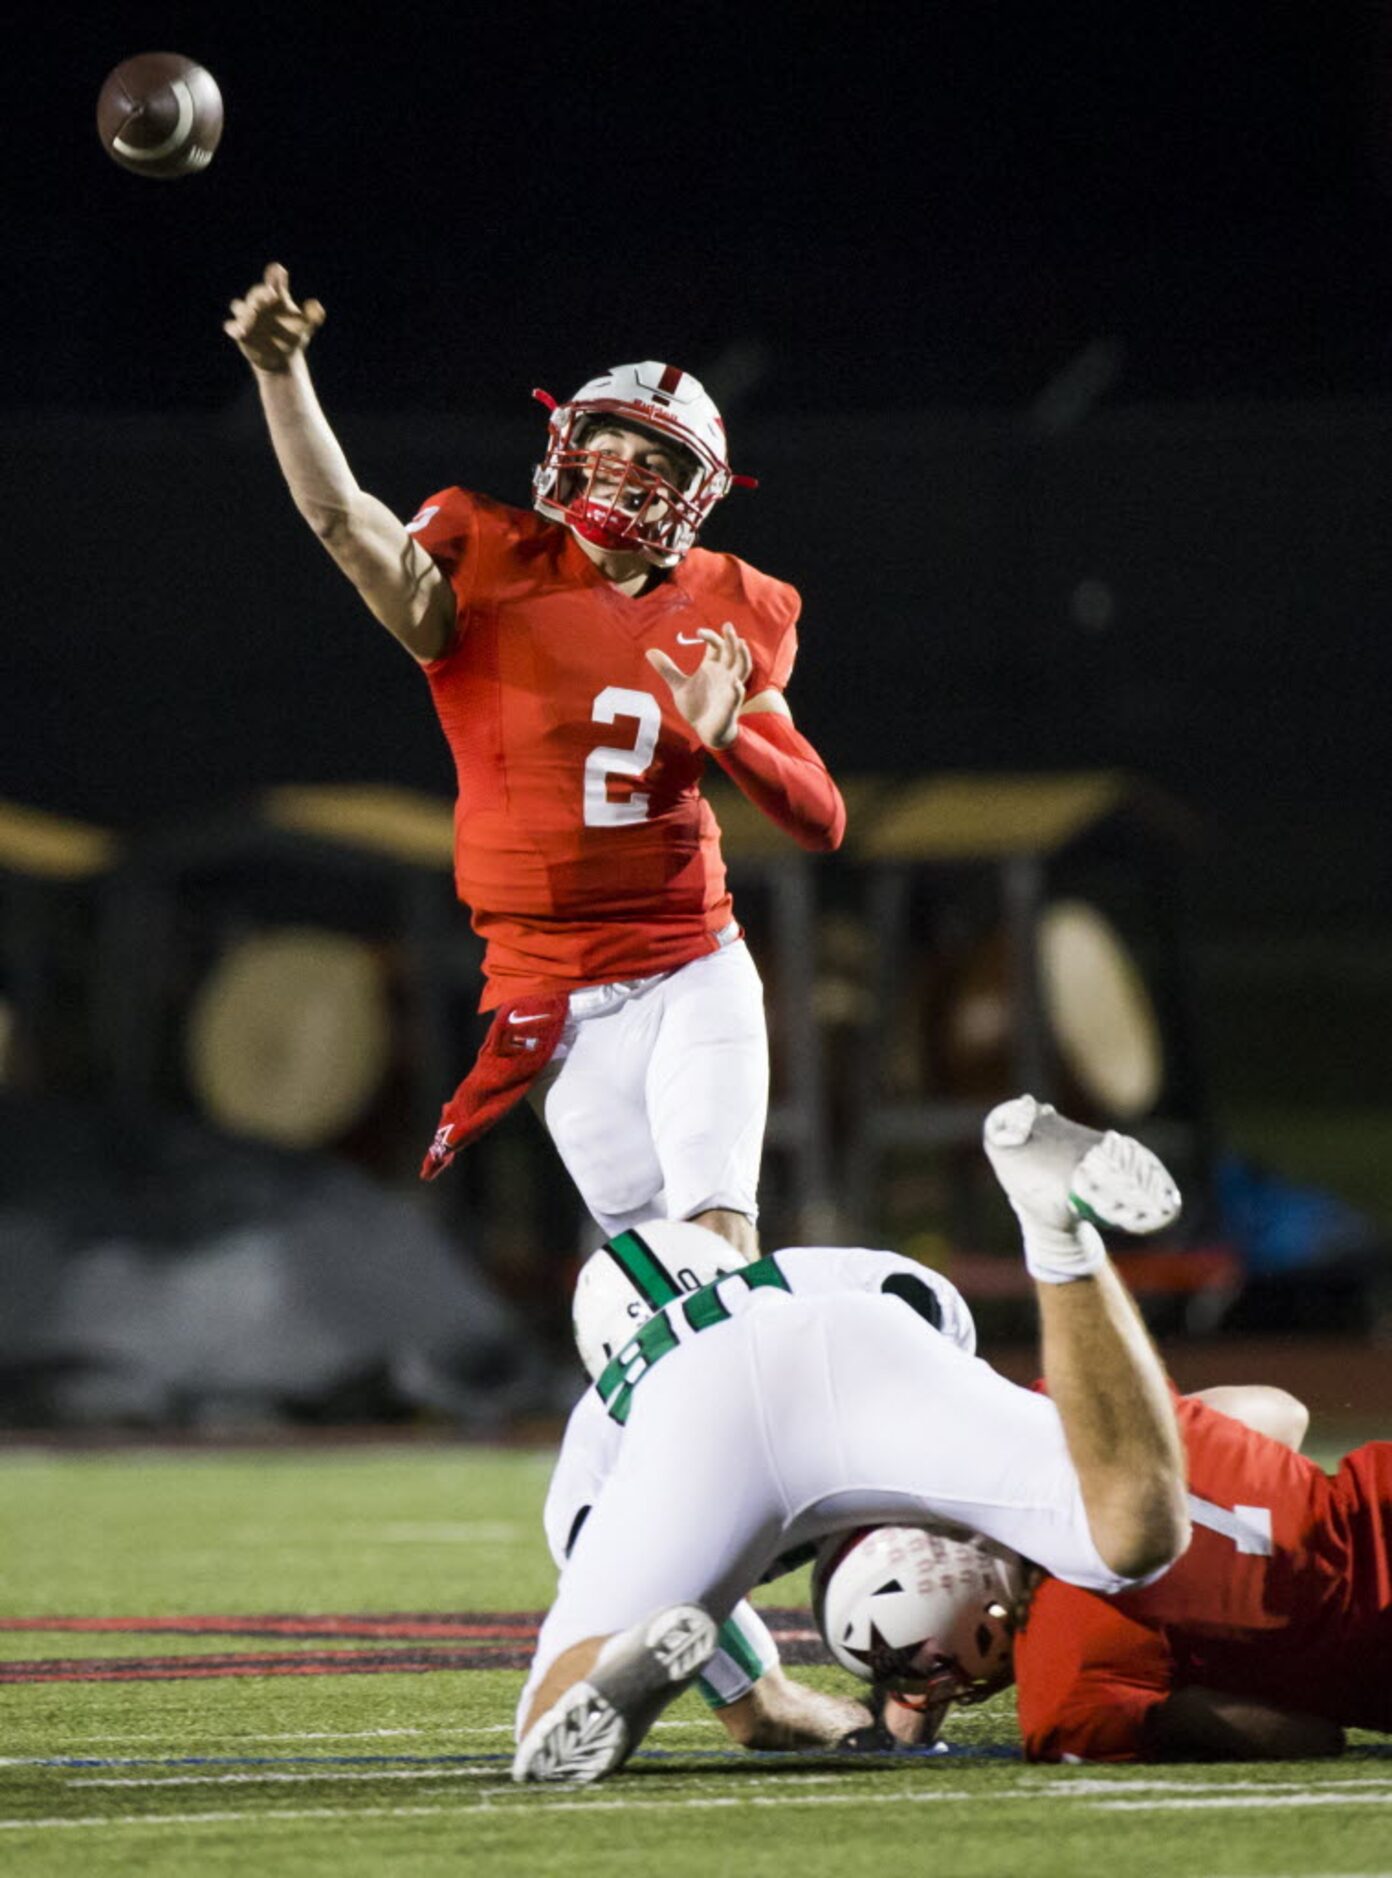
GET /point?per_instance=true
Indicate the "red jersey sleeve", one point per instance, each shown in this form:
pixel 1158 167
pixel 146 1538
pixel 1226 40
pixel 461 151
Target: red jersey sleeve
pixel 775 648
pixel 447 526
pixel 764 612
pixel 1088 1677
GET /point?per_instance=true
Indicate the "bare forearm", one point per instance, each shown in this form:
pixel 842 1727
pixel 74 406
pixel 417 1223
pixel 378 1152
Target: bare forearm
pixel 1108 1384
pixel 779 1713
pixel 1206 1724
pixel 311 458
pixel 398 580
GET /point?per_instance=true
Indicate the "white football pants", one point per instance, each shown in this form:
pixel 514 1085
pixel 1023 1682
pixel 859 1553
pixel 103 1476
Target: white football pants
pixel 657 1097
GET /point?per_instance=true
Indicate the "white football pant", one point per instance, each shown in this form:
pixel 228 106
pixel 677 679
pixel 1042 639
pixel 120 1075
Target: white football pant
pixel 657 1097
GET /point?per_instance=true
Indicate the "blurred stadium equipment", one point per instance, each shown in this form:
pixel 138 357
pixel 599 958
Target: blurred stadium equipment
pixel 52 871
pixel 1000 963
pixel 157 1273
pixel 290 1035
pixel 1094 1005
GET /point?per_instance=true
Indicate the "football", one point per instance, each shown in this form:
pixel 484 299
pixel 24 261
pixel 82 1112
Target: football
pixel 160 114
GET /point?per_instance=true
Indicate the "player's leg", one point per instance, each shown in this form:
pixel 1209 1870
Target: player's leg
pixel 601 1696
pixel 707 1093
pixel 1101 1368
pixel 896 1425
pixel 685 1523
pixel 593 1101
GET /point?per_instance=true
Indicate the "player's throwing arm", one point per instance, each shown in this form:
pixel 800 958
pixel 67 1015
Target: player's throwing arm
pixel 397 579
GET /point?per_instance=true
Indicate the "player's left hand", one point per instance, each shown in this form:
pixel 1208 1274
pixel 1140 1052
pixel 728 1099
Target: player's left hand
pixel 710 697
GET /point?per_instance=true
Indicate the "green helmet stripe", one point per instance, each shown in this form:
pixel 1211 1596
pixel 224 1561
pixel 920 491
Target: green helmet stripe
pixel 643 1269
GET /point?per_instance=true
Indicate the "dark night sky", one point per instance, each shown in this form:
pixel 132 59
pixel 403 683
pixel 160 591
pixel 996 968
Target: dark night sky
pixel 888 205
pixel 879 209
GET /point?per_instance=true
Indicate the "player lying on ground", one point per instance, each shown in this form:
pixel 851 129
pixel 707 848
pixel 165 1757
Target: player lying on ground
pixel 866 1414
pixel 1269 1637
pixel 1265 1641
pixel 586 660
pixel 619 1288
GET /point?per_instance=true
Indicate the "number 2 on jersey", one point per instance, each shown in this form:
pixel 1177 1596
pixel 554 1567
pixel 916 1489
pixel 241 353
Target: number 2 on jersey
pixel 601 811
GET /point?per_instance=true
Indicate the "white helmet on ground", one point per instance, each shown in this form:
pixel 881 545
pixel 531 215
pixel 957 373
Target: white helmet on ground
pixel 620 505
pixel 635 1274
pixel 932 1611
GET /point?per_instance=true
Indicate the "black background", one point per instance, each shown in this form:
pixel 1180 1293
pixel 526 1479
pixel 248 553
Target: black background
pixel 885 235
pixel 906 207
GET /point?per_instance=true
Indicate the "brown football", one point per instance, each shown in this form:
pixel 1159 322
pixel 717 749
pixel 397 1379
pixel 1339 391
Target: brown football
pixel 160 114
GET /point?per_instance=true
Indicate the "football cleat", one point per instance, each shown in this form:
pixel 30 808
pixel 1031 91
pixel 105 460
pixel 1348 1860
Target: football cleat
pixel 1056 1173
pixel 597 1723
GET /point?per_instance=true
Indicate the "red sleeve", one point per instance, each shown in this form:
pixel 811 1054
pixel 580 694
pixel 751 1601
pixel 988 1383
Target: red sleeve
pixel 780 772
pixel 1088 1677
pixel 781 659
pixel 447 526
pixel 765 613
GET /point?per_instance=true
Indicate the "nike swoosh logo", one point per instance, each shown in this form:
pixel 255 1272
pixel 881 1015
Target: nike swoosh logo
pixel 682 640
pixel 516 1017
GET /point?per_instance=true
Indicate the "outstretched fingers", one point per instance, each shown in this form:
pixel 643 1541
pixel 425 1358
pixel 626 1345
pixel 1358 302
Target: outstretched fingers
pixel 267 324
pixel 665 667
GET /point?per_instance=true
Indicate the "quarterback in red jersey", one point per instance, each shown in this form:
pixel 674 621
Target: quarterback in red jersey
pixel 1266 1639
pixel 586 659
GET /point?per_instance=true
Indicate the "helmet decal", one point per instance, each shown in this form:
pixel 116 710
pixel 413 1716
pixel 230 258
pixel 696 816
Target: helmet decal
pixel 931 1611
pixel 643 1269
pixel 635 1274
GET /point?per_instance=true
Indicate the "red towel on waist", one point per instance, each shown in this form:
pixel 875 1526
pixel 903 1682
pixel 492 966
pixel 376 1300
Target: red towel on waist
pixel 520 1043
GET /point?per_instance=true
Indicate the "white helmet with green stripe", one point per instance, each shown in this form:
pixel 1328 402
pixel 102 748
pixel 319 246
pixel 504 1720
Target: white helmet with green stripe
pixel 635 1274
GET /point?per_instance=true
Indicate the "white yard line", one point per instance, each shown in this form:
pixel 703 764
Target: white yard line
pixel 1119 1783
pixel 1204 1802
pixel 788 1789
pixel 443 1532
pixel 272 1777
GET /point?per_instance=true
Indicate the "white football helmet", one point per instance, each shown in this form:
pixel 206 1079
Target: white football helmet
pixel 617 504
pixel 929 1611
pixel 635 1274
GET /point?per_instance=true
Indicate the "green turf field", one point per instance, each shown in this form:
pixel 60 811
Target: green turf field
pixel 362 1586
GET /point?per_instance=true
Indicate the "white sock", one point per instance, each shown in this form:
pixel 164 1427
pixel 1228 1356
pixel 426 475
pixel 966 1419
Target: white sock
pixel 1057 1255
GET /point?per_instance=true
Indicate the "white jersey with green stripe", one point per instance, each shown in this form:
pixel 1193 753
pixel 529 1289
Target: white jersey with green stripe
pixel 800 1271
pixel 595 1429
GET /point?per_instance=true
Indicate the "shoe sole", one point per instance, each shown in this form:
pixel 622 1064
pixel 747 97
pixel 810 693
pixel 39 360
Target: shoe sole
pixel 1121 1184
pixel 1114 1182
pixel 592 1729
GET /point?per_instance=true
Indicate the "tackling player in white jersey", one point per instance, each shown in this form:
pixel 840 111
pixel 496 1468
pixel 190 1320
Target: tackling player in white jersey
pixel 752 1418
pixel 620 1288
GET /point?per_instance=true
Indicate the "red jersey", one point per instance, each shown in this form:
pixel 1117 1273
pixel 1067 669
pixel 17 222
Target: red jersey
pixel 1284 1595
pixel 582 844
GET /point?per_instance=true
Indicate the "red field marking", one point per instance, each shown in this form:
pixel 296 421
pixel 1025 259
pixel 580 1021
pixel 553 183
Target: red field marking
pixel 258 1663
pixel 798 1643
pixel 467 1626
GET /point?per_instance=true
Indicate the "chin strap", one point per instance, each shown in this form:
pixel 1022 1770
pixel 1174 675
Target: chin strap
pixel 780 772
